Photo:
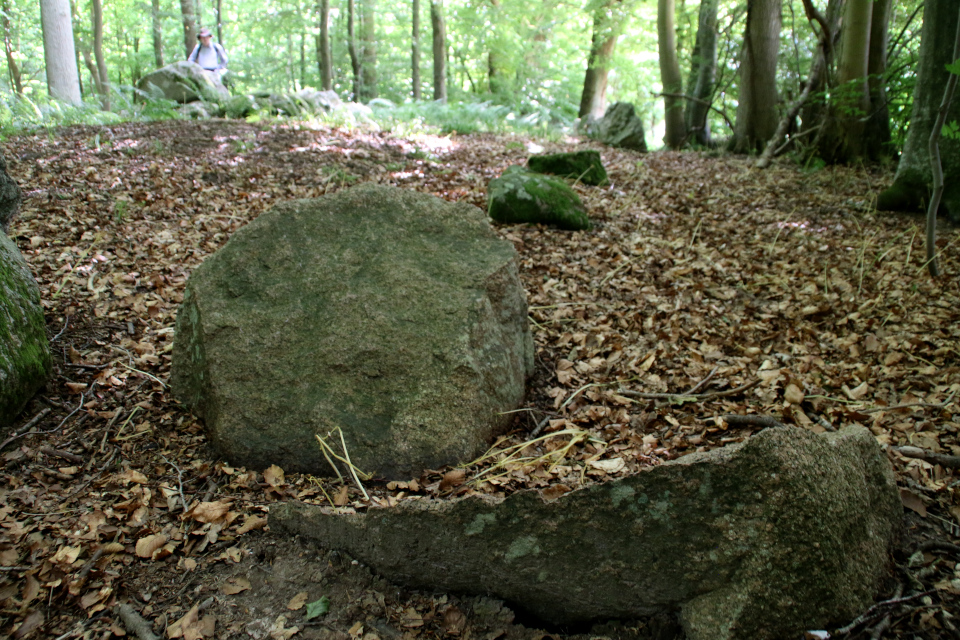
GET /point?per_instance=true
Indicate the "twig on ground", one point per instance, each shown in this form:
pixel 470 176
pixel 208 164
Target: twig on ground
pixel 26 429
pixel 688 397
pixel 886 603
pixel 540 426
pixel 700 384
pixel 753 421
pixel 66 455
pixel 939 545
pixel 183 498
pixel 88 565
pixel 882 626
pixel 135 624
pixel 911 405
pixel 942 459
pixel 66 323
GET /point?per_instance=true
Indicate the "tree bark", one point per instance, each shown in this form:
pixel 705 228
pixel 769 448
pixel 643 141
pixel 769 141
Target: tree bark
pixel 415 51
pixel 352 47
pixel 218 16
pixel 8 48
pixel 439 50
pixel 877 136
pixel 103 86
pixel 703 74
pixel 189 25
pixel 496 76
pixel 593 100
pixel 323 47
pixel 60 58
pixel 670 76
pixel 368 38
pixel 912 185
pixel 757 110
pixel 157 33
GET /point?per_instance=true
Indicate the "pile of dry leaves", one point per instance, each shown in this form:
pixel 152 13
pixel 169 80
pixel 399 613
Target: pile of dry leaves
pixel 711 300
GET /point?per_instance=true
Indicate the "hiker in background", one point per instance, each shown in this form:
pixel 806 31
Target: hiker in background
pixel 210 56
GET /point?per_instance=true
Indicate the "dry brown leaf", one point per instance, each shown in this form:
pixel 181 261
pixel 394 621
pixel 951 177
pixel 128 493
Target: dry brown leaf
pixel 251 523
pixel 209 512
pixel 793 394
pixel 148 545
pixel 235 585
pixel 453 478
pixel 913 502
pixel 273 476
pixel 296 602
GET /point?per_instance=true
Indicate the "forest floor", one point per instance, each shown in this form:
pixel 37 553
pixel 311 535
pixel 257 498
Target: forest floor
pixel 782 287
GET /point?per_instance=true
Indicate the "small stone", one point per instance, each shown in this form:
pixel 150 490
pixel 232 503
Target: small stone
pixel 520 196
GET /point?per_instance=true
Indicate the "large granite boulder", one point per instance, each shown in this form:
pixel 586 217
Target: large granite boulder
pixel 184 81
pixel 584 166
pixel 391 314
pixel 519 196
pixel 24 349
pixel 786 532
pixel 9 196
pixel 619 127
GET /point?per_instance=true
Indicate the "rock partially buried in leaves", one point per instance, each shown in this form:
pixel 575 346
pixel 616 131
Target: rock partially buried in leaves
pixel 184 81
pixel 520 196
pixel 24 349
pixel 391 314
pixel 762 540
pixel 9 196
pixel 619 127
pixel 584 166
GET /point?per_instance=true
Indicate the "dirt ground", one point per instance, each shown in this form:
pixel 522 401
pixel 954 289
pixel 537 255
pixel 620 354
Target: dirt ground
pixel 779 293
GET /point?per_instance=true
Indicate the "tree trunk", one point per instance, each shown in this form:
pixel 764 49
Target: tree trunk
pixel 415 51
pixel 103 86
pixel 8 48
pixel 439 51
pixel 593 100
pixel 496 78
pixel 368 38
pixel 59 53
pixel 703 73
pixel 219 18
pixel 757 109
pixel 877 135
pixel 189 25
pixel 323 47
pixel 352 47
pixel 670 76
pixel 157 33
pixel 912 185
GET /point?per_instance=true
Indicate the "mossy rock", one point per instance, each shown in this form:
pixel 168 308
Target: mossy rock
pixel 24 349
pixel 241 106
pixel 909 192
pixel 520 196
pixel 584 166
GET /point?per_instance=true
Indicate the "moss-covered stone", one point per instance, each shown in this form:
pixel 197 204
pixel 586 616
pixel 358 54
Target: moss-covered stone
pixel 520 196
pixel 9 196
pixel 24 349
pixel 584 166
pixel 184 81
pixel 909 192
pixel 241 106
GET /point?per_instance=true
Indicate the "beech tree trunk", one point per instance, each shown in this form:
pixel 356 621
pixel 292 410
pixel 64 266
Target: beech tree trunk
pixel 8 49
pixel 670 76
pixel 913 183
pixel 189 15
pixel 59 54
pixel 103 86
pixel 703 74
pixel 877 135
pixel 218 16
pixel 323 46
pixel 439 50
pixel 415 51
pixel 352 48
pixel 157 33
pixel 368 37
pixel 757 111
pixel 593 100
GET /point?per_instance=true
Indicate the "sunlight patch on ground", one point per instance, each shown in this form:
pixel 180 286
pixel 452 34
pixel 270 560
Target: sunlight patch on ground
pixel 431 144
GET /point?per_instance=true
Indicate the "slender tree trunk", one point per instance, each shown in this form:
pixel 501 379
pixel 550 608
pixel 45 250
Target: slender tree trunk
pixel 104 84
pixel 303 60
pixel 352 47
pixel 219 19
pixel 189 25
pixel 670 76
pixel 703 73
pixel 877 136
pixel 157 33
pixel 8 48
pixel 912 185
pixel 368 36
pixel 60 58
pixel 323 47
pixel 439 50
pixel 496 79
pixel 415 50
pixel 757 110
pixel 593 100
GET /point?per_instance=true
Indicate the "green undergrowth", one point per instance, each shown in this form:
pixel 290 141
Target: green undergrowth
pixel 468 117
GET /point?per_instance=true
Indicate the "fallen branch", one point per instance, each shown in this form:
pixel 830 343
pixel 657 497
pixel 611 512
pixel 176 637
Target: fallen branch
pixel 26 430
pixel 911 405
pixel 700 384
pixel 939 545
pixel 942 459
pixel 753 421
pixel 866 615
pixel 688 397
pixel 135 624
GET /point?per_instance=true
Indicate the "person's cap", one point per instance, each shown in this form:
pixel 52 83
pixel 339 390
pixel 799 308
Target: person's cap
pixel 204 33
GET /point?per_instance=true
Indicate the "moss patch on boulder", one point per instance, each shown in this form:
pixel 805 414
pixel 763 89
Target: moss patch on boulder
pixel 584 166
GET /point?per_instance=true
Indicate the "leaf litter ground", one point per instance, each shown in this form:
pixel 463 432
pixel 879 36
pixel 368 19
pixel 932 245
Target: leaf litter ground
pixel 709 301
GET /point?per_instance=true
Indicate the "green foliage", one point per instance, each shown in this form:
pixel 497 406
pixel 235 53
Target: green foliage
pixel 464 117
pixel 318 608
